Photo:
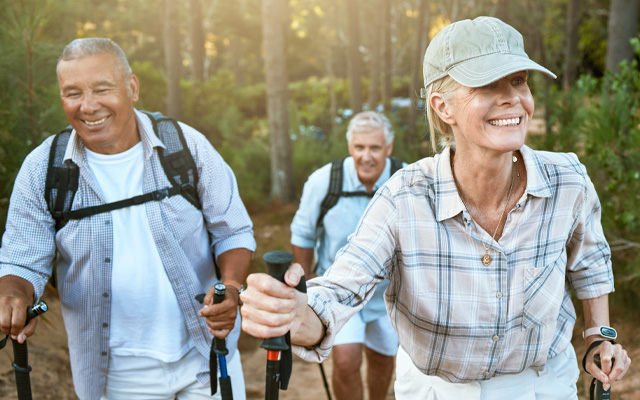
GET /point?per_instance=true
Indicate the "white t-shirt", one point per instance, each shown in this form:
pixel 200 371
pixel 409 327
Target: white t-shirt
pixel 145 316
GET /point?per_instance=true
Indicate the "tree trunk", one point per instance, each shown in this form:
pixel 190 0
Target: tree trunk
pixel 571 53
pixel 236 59
pixel 354 59
pixel 197 40
pixel 376 39
pixel 623 25
pixel 385 73
pixel 422 30
pixel 333 100
pixel 172 58
pixel 273 30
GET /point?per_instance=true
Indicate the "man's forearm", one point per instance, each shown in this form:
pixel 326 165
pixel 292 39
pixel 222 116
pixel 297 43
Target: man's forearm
pixel 234 266
pixel 304 257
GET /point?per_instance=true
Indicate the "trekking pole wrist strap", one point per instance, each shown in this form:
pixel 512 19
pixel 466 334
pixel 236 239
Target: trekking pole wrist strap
pixel 593 345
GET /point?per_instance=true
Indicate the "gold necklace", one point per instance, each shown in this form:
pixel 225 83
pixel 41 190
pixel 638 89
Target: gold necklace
pixel 486 258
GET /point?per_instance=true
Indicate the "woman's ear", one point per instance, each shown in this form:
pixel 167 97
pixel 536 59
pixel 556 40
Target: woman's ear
pixel 442 108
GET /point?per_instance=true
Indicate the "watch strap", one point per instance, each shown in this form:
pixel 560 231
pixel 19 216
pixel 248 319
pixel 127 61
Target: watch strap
pixel 604 331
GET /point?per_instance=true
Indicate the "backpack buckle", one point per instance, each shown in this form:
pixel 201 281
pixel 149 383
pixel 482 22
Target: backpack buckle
pixel 160 194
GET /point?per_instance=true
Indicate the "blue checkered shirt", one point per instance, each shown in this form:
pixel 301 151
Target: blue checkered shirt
pixel 85 247
pixel 455 317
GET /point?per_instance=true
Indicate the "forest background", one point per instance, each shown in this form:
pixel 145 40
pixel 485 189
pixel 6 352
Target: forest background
pixel 272 84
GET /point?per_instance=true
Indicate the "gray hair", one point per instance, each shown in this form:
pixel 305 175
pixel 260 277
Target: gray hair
pixel 87 47
pixel 370 119
pixel 445 86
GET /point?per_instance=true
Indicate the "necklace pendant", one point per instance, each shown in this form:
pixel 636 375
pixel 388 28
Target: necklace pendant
pixel 486 259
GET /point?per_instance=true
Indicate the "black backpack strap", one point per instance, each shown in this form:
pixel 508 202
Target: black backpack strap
pixel 156 195
pixel 61 182
pixel 335 187
pixel 396 164
pixel 335 190
pixel 176 158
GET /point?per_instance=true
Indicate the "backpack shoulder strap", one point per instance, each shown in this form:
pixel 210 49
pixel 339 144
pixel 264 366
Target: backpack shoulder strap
pixel 396 164
pixel 176 158
pixel 335 190
pixel 61 182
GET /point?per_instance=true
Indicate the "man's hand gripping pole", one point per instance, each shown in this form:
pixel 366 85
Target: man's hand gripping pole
pixel 218 352
pixel 21 354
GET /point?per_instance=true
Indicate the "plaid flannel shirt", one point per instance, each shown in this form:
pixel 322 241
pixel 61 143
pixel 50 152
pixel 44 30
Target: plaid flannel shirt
pixel 455 317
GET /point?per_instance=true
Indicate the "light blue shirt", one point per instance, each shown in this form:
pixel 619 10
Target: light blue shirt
pixel 339 223
pixel 184 236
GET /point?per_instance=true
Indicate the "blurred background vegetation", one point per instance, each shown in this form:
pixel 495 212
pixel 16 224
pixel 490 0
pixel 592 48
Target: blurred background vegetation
pixel 203 62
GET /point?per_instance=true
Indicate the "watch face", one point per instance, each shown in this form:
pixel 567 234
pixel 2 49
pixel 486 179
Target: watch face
pixel 608 332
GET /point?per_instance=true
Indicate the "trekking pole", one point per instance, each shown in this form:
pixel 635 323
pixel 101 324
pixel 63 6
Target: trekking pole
pixel 596 391
pixel 279 358
pixel 218 352
pixel 20 355
pixel 324 380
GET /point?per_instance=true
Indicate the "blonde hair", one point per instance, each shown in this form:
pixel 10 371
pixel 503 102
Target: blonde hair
pixel 446 86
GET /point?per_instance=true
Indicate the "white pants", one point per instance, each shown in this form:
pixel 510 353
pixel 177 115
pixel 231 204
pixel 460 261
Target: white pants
pixel 144 378
pixel 557 381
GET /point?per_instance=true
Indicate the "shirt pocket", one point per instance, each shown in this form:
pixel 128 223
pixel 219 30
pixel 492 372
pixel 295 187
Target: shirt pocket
pixel 543 293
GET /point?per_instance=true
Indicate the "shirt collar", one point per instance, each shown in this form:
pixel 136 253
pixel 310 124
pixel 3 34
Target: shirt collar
pixel 447 200
pixel 75 148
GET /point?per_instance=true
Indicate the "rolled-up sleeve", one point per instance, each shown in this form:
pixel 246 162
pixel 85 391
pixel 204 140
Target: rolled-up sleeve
pixel 28 243
pixel 589 255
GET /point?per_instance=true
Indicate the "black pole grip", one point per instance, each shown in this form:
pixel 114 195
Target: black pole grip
pixel 597 392
pixel 220 346
pixel 22 369
pixel 38 309
pixel 277 264
pixel 225 388
pixel 21 355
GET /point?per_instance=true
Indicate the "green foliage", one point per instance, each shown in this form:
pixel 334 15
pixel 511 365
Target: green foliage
pixel 153 89
pixel 599 119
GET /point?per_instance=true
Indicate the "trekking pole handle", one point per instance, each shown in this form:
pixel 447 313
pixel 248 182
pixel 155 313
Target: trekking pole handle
pixel 597 389
pixel 218 297
pixel 37 309
pixel 277 264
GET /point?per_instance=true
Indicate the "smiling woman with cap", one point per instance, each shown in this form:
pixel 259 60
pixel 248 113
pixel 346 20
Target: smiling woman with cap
pixel 481 243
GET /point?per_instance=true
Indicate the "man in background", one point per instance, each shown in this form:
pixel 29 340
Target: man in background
pixel 322 225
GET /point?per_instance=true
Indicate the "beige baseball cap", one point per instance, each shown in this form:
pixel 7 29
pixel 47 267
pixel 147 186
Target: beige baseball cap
pixel 477 52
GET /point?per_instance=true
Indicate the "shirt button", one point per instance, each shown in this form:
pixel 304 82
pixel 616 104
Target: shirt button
pixel 485 373
pixel 104 353
pixel 107 260
pixel 105 294
pixel 107 222
pixel 496 338
pixel 499 294
pixel 104 325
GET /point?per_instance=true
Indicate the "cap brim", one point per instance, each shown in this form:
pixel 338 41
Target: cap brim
pixel 481 71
